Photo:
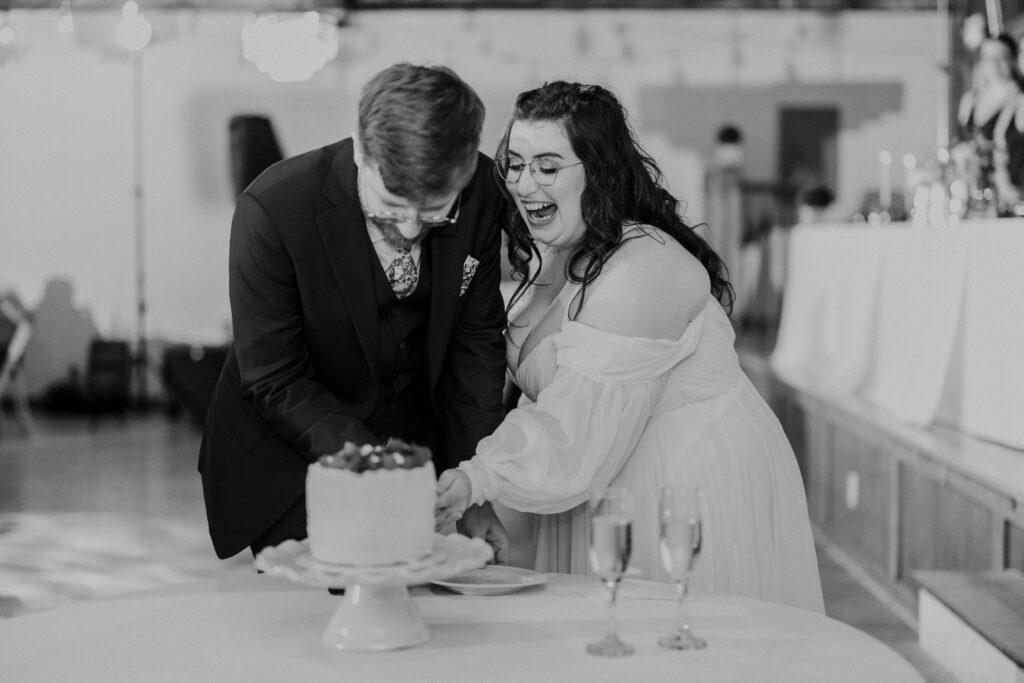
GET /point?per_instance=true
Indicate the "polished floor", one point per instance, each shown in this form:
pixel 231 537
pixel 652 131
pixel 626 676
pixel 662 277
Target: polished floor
pixel 94 508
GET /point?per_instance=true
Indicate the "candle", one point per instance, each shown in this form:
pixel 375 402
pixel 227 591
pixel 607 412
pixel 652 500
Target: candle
pixel 885 180
pixel 910 179
pixel 942 104
pixel 994 14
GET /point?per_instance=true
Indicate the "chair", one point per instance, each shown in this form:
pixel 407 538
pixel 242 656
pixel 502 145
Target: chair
pixel 15 331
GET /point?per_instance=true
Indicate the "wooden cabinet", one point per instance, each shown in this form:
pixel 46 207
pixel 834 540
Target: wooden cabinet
pixel 807 427
pixel 860 508
pixel 940 527
pixel 897 499
pixel 1014 547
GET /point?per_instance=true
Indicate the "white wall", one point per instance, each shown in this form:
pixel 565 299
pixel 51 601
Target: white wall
pixel 66 153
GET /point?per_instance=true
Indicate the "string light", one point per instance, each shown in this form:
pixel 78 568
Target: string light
pixel 133 31
pixel 66 22
pixel 6 33
pixel 289 49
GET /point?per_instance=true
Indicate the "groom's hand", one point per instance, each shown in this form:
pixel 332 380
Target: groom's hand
pixel 480 521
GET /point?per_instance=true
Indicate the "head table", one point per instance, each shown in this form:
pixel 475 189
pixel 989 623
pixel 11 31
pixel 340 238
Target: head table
pixel 258 628
pixel 916 322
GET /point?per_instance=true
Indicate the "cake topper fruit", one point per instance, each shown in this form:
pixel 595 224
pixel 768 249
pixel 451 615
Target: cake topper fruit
pixel 395 454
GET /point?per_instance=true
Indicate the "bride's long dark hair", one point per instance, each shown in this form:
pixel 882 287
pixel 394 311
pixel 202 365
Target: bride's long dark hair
pixel 623 185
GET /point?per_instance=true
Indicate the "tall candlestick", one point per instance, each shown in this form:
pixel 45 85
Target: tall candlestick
pixel 942 108
pixel 994 15
pixel 885 180
pixel 909 180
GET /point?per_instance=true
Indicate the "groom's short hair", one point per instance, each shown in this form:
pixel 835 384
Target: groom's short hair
pixel 421 125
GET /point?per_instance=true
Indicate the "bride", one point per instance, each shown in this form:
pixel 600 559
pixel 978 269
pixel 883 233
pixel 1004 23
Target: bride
pixel 624 352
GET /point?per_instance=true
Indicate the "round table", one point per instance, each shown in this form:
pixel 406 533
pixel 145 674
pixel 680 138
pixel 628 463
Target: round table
pixel 258 628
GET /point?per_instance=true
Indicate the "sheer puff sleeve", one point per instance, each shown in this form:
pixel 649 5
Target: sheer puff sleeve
pixel 548 456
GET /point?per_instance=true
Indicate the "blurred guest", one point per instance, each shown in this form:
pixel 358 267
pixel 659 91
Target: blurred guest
pixel 62 332
pixel 15 332
pixel 1008 136
pixel 13 315
pixel 996 81
pixel 365 304
pixel 620 340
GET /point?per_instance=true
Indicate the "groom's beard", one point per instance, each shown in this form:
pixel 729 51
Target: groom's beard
pixel 394 237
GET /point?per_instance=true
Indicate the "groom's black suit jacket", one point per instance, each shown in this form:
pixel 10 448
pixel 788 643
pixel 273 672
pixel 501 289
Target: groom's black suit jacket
pixel 302 376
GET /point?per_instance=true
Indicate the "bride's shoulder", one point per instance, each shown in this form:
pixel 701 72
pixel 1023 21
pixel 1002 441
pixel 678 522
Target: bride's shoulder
pixel 657 257
pixel 651 287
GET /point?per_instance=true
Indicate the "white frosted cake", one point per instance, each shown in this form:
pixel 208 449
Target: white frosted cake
pixel 371 505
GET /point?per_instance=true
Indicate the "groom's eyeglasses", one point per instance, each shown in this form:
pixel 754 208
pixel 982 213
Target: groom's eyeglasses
pixel 397 218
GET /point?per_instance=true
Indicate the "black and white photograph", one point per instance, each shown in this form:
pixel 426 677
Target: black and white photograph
pixel 512 340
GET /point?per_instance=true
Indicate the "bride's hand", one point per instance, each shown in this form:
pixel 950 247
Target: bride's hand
pixel 453 495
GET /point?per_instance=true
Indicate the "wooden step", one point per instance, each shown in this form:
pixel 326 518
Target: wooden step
pixel 973 623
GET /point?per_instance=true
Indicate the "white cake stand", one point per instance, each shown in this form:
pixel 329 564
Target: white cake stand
pixel 377 612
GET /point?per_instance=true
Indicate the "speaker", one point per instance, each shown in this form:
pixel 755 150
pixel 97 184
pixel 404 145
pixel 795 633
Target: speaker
pixel 108 374
pixel 253 148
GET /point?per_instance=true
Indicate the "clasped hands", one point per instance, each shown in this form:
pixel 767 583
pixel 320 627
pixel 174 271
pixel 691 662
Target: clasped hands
pixel 454 492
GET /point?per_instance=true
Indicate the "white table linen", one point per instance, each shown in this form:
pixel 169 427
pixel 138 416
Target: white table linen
pixel 265 629
pixel 988 355
pixel 925 324
pixel 919 306
pixel 826 326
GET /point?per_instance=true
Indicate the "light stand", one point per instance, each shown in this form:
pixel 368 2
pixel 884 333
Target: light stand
pixel 141 364
pixel 133 34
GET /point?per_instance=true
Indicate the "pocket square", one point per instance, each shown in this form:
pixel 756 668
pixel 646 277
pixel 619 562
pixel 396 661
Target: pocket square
pixel 468 271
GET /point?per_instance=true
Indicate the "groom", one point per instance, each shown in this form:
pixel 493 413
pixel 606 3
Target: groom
pixel 363 279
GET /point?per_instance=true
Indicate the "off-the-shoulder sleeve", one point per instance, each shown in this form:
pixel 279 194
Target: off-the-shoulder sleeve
pixel 550 455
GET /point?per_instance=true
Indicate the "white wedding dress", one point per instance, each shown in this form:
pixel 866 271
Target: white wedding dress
pixel 600 409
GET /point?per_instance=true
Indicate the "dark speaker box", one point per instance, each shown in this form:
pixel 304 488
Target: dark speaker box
pixel 108 374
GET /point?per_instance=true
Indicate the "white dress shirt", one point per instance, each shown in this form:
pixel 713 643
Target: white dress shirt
pixel 385 251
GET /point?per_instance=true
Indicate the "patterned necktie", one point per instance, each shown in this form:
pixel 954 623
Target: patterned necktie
pixel 403 274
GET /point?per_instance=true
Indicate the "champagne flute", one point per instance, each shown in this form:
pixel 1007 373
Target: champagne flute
pixel 680 533
pixel 611 542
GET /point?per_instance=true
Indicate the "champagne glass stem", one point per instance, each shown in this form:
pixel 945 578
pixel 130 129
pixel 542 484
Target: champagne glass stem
pixel 687 580
pixel 693 642
pixel 613 589
pixel 680 601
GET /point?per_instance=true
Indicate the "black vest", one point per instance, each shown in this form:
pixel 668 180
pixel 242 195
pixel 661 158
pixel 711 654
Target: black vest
pixel 403 394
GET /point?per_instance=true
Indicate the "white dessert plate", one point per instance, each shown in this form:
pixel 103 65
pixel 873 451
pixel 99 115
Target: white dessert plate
pixel 492 580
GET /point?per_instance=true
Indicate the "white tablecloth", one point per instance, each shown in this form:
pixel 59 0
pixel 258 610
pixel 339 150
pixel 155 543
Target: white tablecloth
pixel 265 629
pixel 925 324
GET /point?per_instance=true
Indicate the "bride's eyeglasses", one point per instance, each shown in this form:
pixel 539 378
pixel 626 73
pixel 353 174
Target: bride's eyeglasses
pixel 543 170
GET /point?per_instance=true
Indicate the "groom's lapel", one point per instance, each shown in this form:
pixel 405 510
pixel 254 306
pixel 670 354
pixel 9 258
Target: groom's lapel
pixel 447 254
pixel 342 229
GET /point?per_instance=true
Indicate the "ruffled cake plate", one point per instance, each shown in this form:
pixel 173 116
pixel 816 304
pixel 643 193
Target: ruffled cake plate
pixel 377 612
